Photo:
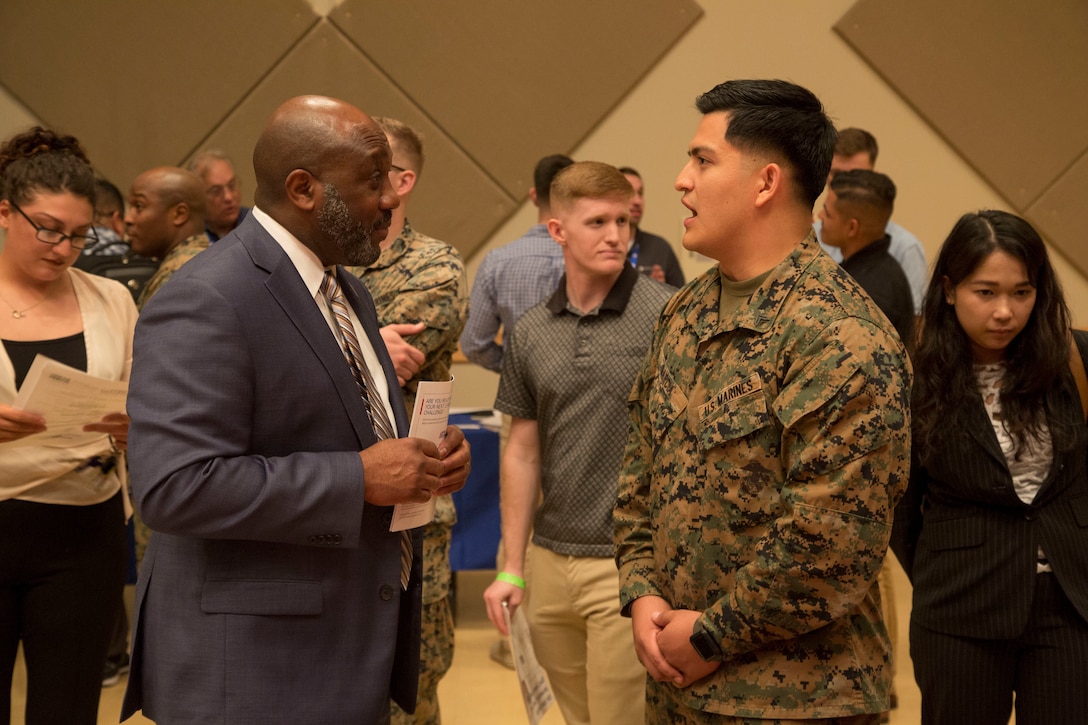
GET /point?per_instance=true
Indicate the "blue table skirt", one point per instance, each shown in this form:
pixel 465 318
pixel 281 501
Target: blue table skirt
pixel 478 529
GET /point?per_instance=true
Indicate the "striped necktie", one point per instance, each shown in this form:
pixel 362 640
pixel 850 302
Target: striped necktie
pixel 375 408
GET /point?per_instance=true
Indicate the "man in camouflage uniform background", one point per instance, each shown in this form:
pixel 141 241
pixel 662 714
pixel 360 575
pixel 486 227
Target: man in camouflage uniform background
pixel 165 219
pixel 420 293
pixel 770 441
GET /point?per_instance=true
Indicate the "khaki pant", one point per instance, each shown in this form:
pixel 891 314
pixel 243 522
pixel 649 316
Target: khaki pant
pixel 582 641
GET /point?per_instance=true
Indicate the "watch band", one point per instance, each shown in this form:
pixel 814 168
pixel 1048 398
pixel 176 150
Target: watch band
pixel 705 645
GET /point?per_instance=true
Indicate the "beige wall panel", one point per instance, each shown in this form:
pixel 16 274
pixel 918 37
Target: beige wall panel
pixel 455 201
pixel 1061 214
pixel 1002 80
pixel 141 83
pixel 514 81
pixel 14 116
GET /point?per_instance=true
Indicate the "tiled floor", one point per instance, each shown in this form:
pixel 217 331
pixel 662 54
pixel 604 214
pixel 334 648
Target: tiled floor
pixel 479 692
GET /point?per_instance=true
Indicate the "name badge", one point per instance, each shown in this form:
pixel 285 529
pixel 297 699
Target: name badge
pixel 753 384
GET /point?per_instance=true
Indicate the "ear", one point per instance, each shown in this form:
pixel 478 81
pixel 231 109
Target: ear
pixel 559 234
pixel 949 290
pixel 5 214
pixel 179 214
pixel 769 180
pixel 532 196
pixel 117 222
pixel 407 182
pixel 302 189
pixel 853 227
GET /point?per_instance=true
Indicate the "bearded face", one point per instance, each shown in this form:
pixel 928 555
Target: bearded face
pixel 354 241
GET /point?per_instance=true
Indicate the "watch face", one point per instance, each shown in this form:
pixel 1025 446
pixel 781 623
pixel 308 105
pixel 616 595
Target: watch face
pixel 704 645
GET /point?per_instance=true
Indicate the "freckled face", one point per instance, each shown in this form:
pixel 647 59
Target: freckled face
pixel 594 235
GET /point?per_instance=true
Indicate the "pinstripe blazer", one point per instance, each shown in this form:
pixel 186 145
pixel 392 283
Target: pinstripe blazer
pixel 968 543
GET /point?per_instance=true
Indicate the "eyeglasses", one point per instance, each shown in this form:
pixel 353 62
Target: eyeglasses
pixel 52 237
pixel 220 190
pixel 394 167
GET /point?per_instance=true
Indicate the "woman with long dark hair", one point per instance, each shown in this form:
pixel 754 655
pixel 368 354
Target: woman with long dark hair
pixel 993 530
pixel 62 543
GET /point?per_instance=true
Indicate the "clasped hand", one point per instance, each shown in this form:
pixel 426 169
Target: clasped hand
pixel 663 642
pixel 412 470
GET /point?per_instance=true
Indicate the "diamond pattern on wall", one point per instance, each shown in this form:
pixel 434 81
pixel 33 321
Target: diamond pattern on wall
pixel 454 201
pixel 999 80
pixel 515 81
pixel 140 83
pixel 493 85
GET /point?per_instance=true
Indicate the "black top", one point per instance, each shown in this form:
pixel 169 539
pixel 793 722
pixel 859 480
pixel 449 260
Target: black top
pixel 881 276
pixel 72 351
pixel 650 249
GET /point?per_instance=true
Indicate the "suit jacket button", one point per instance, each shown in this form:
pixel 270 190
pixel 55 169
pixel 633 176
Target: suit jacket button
pixel 1030 514
pixel 386 593
pixel 336 539
pixel 312 539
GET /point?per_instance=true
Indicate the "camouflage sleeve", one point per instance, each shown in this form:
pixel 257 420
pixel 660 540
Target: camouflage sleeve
pixel 161 276
pixel 843 411
pixel 633 534
pixel 436 295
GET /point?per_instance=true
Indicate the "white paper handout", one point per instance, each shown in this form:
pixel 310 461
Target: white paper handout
pixel 532 679
pixel 429 420
pixel 68 399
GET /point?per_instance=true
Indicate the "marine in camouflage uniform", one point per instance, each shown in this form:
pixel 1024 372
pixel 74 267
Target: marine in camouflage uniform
pixel 171 263
pixel 420 279
pixel 767 451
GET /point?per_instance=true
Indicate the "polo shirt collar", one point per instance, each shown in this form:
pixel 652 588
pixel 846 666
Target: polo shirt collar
pixel 616 300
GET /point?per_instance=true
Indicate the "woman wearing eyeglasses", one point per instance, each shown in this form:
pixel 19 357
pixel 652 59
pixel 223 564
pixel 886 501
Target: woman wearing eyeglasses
pixel 62 545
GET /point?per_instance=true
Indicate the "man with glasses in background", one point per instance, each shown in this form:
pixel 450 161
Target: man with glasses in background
pixel 223 192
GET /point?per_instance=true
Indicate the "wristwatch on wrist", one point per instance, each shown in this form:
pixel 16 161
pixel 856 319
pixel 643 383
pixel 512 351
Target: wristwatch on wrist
pixel 705 645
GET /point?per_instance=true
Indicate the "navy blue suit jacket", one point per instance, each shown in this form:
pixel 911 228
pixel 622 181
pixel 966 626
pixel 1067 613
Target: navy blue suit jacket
pixel 269 593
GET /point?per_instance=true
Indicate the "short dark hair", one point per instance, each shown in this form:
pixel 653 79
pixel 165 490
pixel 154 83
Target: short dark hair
pixel 868 188
pixel 853 141
pixel 629 171
pixel 781 119
pixel 43 160
pixel 108 198
pixel 544 174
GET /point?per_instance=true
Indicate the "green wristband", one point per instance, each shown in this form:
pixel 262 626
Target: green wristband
pixel 514 579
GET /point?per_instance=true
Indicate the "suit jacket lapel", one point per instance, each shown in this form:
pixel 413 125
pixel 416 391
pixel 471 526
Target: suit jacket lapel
pixel 981 429
pixel 286 287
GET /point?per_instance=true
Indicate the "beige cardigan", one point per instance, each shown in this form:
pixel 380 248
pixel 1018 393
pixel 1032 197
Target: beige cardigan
pixel 47 473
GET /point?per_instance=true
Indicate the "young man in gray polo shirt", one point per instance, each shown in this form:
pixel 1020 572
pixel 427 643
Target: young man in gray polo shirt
pixel 566 376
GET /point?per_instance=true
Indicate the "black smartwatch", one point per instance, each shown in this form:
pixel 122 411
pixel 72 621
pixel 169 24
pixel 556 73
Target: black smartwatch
pixel 705 645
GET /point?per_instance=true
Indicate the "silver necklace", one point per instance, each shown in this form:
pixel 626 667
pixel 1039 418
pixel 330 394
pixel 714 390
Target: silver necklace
pixel 20 314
